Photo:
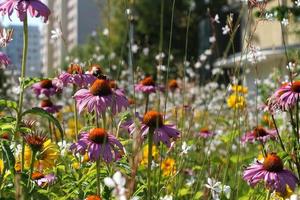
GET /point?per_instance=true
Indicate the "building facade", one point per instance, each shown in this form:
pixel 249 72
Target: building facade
pixel 15 51
pixel 77 19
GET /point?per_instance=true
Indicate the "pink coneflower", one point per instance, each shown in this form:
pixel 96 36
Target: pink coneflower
pixel 43 180
pixel 75 75
pixel 98 143
pixel 161 132
pixel 46 87
pixel 100 97
pixel 206 133
pixel 272 173
pixel 287 95
pixel 35 8
pixel 259 134
pixel 147 85
pixel 47 105
pixel 4 60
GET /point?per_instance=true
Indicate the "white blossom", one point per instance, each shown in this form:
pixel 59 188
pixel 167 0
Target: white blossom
pixel 225 30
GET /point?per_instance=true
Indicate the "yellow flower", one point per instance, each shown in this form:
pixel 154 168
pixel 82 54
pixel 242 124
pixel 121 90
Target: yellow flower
pixel 168 167
pixel 76 165
pixel 145 154
pixel 287 195
pixel 45 158
pixel 1 166
pixel 236 102
pixel 239 89
pixel 70 131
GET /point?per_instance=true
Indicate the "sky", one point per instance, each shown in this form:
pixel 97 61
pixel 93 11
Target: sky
pixel 14 20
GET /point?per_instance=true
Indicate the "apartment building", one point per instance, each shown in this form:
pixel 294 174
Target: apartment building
pixel 77 19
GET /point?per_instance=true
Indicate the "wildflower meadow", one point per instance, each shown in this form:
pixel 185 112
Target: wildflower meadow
pixel 166 100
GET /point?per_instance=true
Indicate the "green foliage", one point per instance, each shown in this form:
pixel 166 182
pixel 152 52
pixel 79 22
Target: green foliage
pixel 42 113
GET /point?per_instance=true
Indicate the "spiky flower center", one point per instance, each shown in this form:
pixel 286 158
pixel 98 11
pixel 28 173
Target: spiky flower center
pixel 101 88
pixel 35 141
pixel 296 86
pixel 273 163
pixel 113 84
pixel 75 69
pixel 46 103
pixel 37 175
pixel 93 197
pixel 5 136
pixel 98 135
pixel 153 119
pixel 46 84
pixel 173 84
pixel 204 130
pixel 148 81
pixel 260 132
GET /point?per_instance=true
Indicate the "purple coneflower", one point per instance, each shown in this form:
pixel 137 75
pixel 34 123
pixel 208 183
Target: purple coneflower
pixel 48 106
pixel 272 173
pixel 100 97
pixel 147 85
pixel 161 132
pixel 4 60
pixel 98 143
pixel 35 8
pixel 259 134
pixel 46 87
pixel 43 180
pixel 75 75
pixel 287 95
pixel 206 133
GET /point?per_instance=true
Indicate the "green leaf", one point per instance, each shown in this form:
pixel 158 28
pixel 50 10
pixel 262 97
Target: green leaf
pixel 8 156
pixel 183 192
pixel 7 123
pixel 30 81
pixel 9 104
pixel 45 114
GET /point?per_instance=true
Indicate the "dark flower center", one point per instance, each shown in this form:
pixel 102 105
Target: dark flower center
pixel 37 175
pixel 153 119
pixel 5 136
pixel 273 163
pixel 113 84
pixel 35 141
pixel 46 84
pixel 98 135
pixel 97 71
pixel 148 81
pixel 204 130
pixel 46 103
pixel 173 84
pixel 101 88
pixel 260 132
pixel 131 101
pixel 296 86
pixel 93 197
pixel 75 69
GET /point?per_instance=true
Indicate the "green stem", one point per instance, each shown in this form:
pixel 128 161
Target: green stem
pixel 150 142
pixel 268 195
pixel 104 120
pixel 98 176
pixel 147 103
pixel 75 115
